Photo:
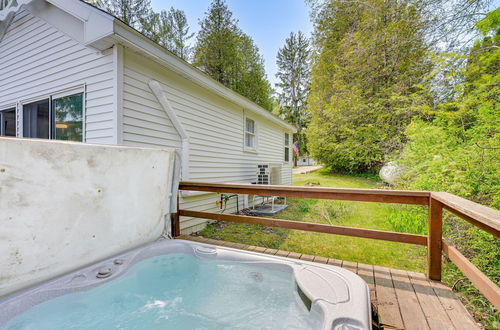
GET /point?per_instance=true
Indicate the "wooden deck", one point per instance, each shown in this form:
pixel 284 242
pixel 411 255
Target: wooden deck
pixel 404 300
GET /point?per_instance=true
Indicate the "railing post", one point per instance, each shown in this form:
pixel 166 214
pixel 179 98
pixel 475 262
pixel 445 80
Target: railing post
pixel 176 223
pixel 434 240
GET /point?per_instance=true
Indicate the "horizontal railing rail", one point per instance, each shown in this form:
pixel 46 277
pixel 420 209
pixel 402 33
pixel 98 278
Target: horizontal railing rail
pixel 481 216
pixel 360 195
pixel 309 226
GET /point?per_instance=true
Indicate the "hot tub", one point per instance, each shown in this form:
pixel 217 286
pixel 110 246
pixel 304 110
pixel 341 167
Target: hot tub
pixel 176 284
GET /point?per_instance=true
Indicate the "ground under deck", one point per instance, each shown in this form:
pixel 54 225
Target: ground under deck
pixel 404 300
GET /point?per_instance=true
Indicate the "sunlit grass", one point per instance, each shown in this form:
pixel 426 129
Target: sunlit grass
pixel 344 213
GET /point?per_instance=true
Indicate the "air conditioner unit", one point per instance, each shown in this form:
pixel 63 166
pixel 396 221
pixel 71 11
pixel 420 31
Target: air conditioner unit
pixel 269 174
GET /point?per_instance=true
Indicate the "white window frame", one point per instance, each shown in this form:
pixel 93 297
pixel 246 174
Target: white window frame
pixel 52 96
pixel 254 133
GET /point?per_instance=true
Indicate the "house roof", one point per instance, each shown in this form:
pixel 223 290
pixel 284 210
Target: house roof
pixel 102 30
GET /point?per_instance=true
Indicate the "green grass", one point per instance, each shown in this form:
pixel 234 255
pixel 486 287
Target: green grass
pixel 344 213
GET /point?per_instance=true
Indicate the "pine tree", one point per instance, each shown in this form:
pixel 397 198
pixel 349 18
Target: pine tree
pixel 216 46
pixel 229 56
pixel 366 81
pixel 131 12
pixel 252 81
pixel 293 75
pixel 169 29
pixel 155 26
pixel 179 33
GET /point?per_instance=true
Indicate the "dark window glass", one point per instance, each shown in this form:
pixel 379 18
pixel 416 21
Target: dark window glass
pixel 8 122
pixel 36 119
pixel 68 115
pixel 287 147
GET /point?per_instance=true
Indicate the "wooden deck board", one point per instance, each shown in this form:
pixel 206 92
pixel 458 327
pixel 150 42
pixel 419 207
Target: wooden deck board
pixel 282 253
pixel 437 318
pixel 454 308
pixel 387 303
pixel 349 265
pixel 411 311
pixel 334 262
pixel 404 300
pixel 366 273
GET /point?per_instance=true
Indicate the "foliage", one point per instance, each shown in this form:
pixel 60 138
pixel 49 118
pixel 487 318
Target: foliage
pixel 169 29
pixel 366 81
pixel 293 74
pixel 458 151
pixel 229 56
pixel 131 12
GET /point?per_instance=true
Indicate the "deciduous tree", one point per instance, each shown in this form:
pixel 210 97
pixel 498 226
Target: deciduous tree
pixel 293 75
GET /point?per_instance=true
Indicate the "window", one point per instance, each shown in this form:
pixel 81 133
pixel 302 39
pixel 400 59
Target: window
pixel 68 118
pixel 8 122
pixel 287 147
pixel 250 140
pixel 59 118
pixel 36 119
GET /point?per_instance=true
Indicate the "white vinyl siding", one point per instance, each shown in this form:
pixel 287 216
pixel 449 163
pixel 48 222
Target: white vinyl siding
pixel 215 128
pixel 39 60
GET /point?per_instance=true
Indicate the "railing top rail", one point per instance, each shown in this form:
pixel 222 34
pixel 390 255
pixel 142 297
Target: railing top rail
pixel 189 185
pixel 364 195
pixel 482 216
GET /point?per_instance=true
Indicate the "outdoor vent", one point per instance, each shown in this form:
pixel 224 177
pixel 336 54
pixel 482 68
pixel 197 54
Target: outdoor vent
pixel 263 174
pixel 269 174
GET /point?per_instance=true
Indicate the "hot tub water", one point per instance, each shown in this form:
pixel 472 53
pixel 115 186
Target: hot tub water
pixel 178 291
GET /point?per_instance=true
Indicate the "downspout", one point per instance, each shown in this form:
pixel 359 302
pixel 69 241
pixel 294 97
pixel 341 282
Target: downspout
pixel 163 100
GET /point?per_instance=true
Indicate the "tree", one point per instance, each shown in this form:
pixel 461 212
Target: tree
pixel 155 26
pixel 293 74
pixel 229 56
pixel 131 12
pixel 458 150
pixel 180 35
pixel 169 29
pixel 367 78
pixel 253 82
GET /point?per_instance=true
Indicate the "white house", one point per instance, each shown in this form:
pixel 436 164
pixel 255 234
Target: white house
pixel 73 72
pixel 305 160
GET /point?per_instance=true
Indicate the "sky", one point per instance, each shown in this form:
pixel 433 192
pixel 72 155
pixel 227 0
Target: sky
pixel 267 22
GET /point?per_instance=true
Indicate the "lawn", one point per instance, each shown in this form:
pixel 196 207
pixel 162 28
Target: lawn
pixel 353 214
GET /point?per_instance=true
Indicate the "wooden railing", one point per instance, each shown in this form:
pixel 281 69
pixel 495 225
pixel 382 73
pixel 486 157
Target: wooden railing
pixel 483 217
